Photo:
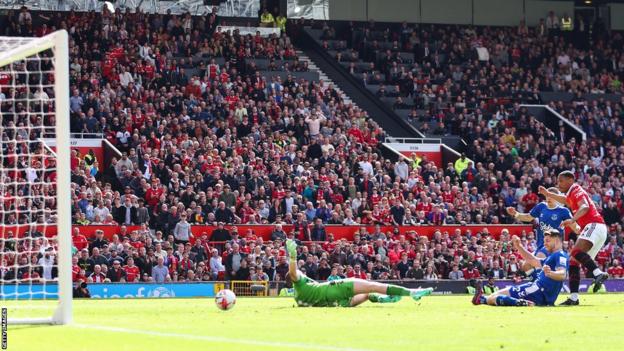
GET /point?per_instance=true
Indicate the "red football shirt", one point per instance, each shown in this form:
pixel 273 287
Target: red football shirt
pixel 471 274
pixel 75 273
pixel 577 194
pixel 616 272
pixel 80 242
pixel 132 273
pixel 353 274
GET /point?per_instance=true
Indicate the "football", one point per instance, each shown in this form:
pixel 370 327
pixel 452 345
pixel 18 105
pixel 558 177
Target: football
pixel 225 299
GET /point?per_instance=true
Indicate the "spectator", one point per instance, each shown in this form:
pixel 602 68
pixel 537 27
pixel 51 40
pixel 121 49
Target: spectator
pixel 456 274
pixel 470 272
pixel 79 241
pixel 217 269
pixel 243 272
pixel 430 273
pixel 234 260
pixel 278 233
pixel 132 272
pixel 356 272
pixel 160 273
pixel 496 271
pixel 259 275
pixel 334 275
pixel 324 271
pixel 182 231
pixel 97 276
pixel 403 266
pixel 318 232
pixel 116 273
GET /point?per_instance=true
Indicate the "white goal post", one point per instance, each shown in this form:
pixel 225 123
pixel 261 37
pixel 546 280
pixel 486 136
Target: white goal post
pixel 27 93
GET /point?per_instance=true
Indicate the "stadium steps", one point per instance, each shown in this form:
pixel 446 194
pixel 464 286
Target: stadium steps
pixel 324 77
pixel 392 124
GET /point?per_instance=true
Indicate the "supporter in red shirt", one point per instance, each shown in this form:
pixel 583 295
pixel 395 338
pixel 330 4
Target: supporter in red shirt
pixel 79 241
pixel 356 272
pixel 76 270
pixel 470 272
pixel 171 261
pixel 133 274
pixel 97 276
pixel 153 194
pixel 603 257
pixel 529 200
pixel 616 270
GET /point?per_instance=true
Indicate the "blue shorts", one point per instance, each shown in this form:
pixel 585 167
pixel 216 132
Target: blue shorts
pixel 530 292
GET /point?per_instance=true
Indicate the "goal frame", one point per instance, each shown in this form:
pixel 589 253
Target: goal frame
pixel 59 41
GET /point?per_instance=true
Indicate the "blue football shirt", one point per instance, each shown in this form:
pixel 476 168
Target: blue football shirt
pixel 548 218
pixel 551 287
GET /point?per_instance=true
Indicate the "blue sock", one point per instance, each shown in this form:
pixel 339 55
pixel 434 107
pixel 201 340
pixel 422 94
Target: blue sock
pixel 506 301
pixel 483 300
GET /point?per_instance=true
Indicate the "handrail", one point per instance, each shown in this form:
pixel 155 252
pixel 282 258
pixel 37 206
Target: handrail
pixel 560 117
pixel 94 135
pixel 400 123
pixel 413 140
pixel 567 121
pixel 47 147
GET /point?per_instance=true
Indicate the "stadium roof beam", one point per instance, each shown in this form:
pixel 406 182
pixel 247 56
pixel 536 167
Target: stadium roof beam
pixel 237 8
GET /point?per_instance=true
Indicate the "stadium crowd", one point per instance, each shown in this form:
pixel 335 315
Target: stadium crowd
pixel 226 145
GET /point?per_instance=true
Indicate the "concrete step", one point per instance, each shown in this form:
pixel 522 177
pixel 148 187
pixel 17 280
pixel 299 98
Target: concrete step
pixel 324 77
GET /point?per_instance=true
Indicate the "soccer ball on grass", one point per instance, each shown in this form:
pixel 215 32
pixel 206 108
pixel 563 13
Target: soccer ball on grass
pixel 225 299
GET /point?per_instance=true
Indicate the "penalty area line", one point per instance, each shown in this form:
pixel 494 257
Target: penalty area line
pixel 216 339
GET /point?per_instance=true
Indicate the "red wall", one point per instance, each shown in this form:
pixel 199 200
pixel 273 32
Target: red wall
pixel 435 157
pixel 264 231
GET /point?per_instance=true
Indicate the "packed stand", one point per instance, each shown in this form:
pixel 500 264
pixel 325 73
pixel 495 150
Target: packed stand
pixel 433 67
pixel 231 146
pixel 458 255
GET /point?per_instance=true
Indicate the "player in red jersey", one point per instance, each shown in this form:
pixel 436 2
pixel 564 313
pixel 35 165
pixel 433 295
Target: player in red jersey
pixel 593 234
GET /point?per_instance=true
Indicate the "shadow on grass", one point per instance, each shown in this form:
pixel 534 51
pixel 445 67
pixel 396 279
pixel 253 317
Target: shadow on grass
pixel 31 326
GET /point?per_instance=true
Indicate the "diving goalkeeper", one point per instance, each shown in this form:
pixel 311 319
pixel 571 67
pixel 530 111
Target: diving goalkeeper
pixel 344 292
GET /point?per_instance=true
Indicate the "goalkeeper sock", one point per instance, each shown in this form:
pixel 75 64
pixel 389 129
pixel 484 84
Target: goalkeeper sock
pixel 395 290
pixel 506 301
pixel 381 298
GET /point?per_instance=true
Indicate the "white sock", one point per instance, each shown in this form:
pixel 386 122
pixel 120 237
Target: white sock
pixel 574 296
pixel 597 272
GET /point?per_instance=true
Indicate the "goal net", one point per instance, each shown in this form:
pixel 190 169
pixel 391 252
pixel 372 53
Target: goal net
pixel 35 232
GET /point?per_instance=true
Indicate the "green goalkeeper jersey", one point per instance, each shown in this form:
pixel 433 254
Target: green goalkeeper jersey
pixel 309 292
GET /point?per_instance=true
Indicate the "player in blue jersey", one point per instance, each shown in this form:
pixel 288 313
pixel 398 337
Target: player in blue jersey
pixel 549 215
pixel 543 291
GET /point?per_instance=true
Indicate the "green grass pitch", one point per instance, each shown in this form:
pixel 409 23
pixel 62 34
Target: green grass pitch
pixel 434 323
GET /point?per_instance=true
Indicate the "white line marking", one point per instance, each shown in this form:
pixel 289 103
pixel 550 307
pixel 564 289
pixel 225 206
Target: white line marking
pixel 209 338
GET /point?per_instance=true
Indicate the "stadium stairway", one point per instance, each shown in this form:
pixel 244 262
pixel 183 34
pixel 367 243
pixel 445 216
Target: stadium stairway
pixel 345 83
pixel 324 77
pixel 319 60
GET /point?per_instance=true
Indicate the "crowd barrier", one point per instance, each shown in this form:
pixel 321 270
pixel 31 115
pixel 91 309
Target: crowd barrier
pixel 115 290
pixel 339 231
pixel 208 289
